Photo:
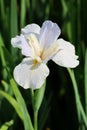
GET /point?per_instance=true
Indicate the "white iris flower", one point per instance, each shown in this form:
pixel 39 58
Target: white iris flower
pixel 39 45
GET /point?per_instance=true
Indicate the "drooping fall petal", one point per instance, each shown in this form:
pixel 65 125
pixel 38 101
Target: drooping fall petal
pixel 29 76
pixel 65 55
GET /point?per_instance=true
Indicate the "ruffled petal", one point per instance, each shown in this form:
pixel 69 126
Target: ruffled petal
pixel 48 34
pixel 21 43
pixel 29 76
pixel 31 28
pixel 65 55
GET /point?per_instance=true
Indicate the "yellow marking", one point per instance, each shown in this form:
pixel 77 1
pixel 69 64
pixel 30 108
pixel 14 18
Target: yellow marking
pixel 37 61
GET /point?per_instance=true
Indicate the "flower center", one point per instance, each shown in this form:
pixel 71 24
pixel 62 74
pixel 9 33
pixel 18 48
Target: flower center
pixel 37 60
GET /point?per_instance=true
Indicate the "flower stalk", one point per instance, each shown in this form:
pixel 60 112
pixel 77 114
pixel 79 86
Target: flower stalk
pixel 37 98
pixel 35 120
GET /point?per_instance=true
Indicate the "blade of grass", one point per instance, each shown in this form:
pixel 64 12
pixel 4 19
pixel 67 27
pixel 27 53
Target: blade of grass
pixel 7 55
pixel 23 12
pixel 14 18
pixel 65 8
pixel 13 25
pixel 1 51
pixel 78 23
pixel 5 58
pixel 72 20
pixel 26 116
pixel 5 85
pixel 80 110
pixel 28 4
pixel 13 102
pixel 85 78
pixel 6 125
pixel 2 8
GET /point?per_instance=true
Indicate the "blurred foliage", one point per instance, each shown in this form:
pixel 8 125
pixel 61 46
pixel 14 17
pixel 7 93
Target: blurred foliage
pixel 58 110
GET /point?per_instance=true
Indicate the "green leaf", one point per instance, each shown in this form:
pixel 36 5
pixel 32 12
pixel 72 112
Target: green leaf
pixel 28 4
pixel 85 78
pixel 13 102
pixel 14 26
pixel 3 60
pixel 14 20
pixel 1 51
pixel 80 110
pixel 5 84
pixel 2 8
pixel 6 125
pixel 38 97
pixel 6 58
pixel 4 53
pixel 1 41
pixel 23 12
pixel 65 8
pixel 21 102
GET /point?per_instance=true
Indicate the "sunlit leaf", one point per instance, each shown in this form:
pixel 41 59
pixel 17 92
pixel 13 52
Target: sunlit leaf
pixel 6 125
pixel 21 102
pixel 13 102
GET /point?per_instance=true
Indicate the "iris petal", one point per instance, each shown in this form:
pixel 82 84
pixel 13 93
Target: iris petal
pixel 31 28
pixel 21 43
pixel 29 76
pixel 66 54
pixel 48 34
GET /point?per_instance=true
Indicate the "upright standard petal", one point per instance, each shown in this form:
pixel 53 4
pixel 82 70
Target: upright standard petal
pixel 21 43
pixel 49 52
pixel 31 28
pixel 66 54
pixel 29 76
pixel 33 42
pixel 48 34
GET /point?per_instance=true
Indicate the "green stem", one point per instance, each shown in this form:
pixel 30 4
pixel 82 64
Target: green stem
pixel 35 120
pixel 79 106
pixel 34 110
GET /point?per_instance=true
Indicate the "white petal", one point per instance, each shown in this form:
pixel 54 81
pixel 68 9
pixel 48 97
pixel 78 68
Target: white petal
pixel 31 28
pixel 62 44
pixel 48 34
pixel 49 52
pixel 33 42
pixel 66 55
pixel 21 43
pixel 29 76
